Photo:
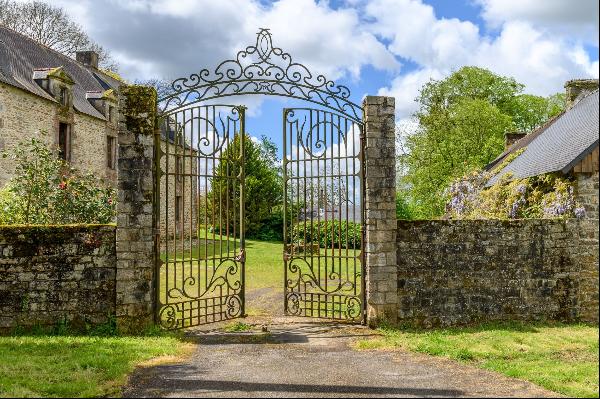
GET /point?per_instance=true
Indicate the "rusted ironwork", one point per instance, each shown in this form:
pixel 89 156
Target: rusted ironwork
pixel 265 70
pixel 323 215
pixel 200 215
pixel 199 192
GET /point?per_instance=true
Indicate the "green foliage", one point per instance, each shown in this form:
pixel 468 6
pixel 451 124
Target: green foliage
pixel 331 233
pixel 46 190
pixel 529 111
pixel 263 188
pixel 405 210
pixel 462 123
pixel 545 196
pixel 272 227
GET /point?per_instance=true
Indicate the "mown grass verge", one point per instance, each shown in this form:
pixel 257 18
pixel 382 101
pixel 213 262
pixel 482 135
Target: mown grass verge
pixel 65 364
pixel 561 358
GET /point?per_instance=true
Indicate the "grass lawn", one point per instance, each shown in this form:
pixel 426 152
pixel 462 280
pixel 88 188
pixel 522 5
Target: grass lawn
pixel 86 366
pixel 77 366
pixel 264 263
pixel 561 358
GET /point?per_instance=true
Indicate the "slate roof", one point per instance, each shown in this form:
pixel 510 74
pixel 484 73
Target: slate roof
pixel 558 145
pixel 20 55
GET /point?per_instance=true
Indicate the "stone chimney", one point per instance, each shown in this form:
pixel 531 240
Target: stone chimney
pixel 576 89
pixel 87 58
pixel 512 137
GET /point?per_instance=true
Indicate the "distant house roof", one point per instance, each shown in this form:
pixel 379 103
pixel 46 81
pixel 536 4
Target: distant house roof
pixel 556 146
pixel 336 212
pixel 22 57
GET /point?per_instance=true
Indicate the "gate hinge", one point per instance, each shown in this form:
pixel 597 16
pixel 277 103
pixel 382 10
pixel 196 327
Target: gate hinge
pixel 241 257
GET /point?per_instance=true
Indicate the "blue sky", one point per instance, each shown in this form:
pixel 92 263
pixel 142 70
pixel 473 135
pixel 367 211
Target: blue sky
pixel 387 47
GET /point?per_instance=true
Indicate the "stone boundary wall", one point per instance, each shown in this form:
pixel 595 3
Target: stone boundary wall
pixel 53 274
pixel 454 272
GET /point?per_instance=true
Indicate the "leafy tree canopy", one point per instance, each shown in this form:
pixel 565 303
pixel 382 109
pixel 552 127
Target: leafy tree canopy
pixel 51 26
pixel 263 189
pixel 462 122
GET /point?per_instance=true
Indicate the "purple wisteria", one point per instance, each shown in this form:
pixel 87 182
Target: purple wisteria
pixel 546 196
pixel 463 193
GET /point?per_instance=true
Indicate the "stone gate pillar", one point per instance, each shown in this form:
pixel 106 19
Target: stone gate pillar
pixel 135 235
pixel 380 204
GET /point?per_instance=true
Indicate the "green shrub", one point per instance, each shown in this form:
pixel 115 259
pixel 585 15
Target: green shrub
pixel 405 208
pixel 271 229
pixel 328 233
pixel 46 190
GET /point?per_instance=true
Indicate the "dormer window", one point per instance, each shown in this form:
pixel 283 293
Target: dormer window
pixel 104 102
pixel 56 82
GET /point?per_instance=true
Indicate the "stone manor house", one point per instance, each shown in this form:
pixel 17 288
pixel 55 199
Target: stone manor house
pixel 73 106
pixel 70 104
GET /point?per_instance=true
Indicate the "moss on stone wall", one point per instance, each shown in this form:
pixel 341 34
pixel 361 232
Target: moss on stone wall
pixel 453 272
pixel 139 109
pixel 52 274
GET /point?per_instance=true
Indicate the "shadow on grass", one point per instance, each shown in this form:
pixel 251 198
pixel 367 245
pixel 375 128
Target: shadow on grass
pixel 105 330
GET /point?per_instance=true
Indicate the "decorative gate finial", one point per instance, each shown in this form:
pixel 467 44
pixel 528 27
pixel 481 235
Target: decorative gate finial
pixel 261 69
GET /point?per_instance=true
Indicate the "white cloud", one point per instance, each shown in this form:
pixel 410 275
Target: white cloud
pixel 162 38
pixel 405 89
pixel 330 41
pixel 543 63
pixel 417 34
pixel 540 43
pixel 566 18
pixel 540 58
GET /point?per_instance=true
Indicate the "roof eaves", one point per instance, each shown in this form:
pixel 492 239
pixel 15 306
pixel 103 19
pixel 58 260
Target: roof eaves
pixel 16 80
pixel 579 158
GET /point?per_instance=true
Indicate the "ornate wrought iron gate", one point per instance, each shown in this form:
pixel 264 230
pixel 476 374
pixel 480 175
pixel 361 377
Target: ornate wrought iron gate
pixel 323 215
pixel 199 186
pixel 200 215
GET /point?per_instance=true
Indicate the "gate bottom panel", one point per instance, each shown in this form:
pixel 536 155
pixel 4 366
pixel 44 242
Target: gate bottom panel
pixel 200 311
pixel 326 306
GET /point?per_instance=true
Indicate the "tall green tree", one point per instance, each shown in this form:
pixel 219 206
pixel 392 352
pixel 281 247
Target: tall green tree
pixel 462 122
pixel 263 185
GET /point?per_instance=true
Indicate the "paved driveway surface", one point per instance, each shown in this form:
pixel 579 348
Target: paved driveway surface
pixel 314 360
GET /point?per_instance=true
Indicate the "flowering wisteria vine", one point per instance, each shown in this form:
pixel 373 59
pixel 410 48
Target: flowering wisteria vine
pixel 546 196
